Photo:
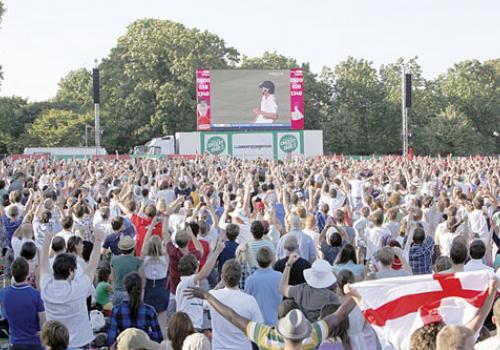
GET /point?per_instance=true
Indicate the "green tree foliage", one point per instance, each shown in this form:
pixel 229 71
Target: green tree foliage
pixel 75 90
pixel 453 132
pixel 474 89
pixel 148 80
pixel 57 128
pixel 12 120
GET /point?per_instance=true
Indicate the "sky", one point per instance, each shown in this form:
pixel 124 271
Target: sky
pixel 42 40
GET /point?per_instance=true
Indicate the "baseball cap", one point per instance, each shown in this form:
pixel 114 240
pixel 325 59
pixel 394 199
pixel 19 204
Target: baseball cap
pixel 133 338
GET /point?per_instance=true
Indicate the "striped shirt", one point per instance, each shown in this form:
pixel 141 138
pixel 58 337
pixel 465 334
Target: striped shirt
pixel 268 338
pixel 255 245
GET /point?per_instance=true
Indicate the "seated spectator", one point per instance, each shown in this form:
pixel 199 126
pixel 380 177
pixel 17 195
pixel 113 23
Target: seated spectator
pixel 122 265
pixel 133 312
pixel 179 328
pixel 133 338
pixel 65 292
pixel 196 341
pixel 23 308
pixel 54 336
pixel 104 289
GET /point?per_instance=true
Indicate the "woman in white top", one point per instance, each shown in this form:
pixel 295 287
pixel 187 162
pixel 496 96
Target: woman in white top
pixel 453 229
pixel 361 335
pixel 155 266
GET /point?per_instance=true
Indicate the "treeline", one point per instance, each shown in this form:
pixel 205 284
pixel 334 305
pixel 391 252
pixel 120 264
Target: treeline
pixel 148 90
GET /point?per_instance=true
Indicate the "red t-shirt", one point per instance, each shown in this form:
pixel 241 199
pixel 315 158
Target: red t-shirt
pixel 206 250
pixel 174 256
pixel 141 227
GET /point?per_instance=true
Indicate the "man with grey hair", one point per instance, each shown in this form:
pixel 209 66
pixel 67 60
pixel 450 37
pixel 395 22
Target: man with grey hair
pixel 386 258
pixel 306 247
pixel 291 245
pixel 264 284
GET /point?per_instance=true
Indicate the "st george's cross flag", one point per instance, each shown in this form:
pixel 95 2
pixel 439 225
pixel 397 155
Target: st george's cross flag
pixel 396 307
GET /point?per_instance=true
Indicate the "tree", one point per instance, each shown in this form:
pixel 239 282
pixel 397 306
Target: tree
pixel 148 80
pixel 473 88
pixel 453 132
pixel 56 128
pixel 12 120
pixel 75 90
pixel 356 122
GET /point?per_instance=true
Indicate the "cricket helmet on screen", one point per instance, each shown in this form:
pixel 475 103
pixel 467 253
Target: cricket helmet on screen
pixel 268 85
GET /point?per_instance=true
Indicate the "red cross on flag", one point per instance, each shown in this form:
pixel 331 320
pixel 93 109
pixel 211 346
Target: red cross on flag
pixel 396 307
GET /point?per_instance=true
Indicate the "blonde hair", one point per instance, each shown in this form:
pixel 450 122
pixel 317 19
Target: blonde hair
pixel 453 337
pixel 154 248
pixel 310 221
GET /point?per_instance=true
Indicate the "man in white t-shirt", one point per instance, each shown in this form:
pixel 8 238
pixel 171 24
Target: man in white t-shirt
pixel 65 292
pixel 226 336
pixel 188 265
pixel 268 111
pixel 477 221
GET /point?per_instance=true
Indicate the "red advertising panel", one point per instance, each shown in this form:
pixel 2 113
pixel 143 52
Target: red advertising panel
pixel 203 99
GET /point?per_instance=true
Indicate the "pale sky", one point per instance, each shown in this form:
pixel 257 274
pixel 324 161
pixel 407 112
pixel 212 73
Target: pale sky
pixel 42 40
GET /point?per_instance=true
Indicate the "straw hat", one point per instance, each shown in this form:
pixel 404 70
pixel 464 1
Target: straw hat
pixel 126 243
pixel 294 326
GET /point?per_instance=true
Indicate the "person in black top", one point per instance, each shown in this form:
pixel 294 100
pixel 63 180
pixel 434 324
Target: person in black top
pixel 296 276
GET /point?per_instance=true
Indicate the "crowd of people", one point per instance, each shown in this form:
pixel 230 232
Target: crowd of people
pixel 229 254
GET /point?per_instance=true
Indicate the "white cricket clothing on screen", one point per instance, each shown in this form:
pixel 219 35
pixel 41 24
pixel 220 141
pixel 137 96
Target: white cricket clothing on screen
pixel 268 105
pixel 225 335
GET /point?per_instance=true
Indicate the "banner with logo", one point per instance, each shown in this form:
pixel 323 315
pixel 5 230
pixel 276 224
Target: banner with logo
pixel 216 144
pixel 289 144
pixel 297 99
pixel 203 99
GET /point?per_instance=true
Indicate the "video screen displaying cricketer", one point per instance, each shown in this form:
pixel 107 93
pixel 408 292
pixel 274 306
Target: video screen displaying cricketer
pixel 253 99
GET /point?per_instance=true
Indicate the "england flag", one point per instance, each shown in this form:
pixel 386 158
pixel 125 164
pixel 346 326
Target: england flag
pixel 396 307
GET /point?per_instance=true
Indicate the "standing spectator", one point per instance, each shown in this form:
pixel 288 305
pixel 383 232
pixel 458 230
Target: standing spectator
pixel 67 228
pixel 313 294
pixel 387 256
pixel 263 285
pixel 306 244
pixel 477 250
pixel 179 328
pixel 421 250
pixel 230 246
pixel 226 336
pixel 134 312
pixel 296 274
pixel 24 309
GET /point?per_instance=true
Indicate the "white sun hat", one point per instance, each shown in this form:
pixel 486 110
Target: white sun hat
pixel 320 274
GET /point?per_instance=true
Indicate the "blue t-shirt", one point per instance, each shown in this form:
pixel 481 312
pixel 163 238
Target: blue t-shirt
pixel 111 241
pixel 11 226
pixel 229 252
pixel 21 305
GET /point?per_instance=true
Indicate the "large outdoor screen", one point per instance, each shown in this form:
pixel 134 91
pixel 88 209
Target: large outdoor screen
pixel 250 99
